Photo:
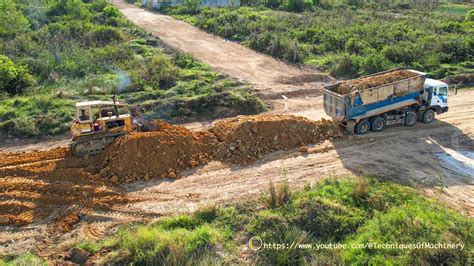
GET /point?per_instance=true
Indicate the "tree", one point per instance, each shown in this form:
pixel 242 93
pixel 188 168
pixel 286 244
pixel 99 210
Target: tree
pixel 14 79
pixel 12 20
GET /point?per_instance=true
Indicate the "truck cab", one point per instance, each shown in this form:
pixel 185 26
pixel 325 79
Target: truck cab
pixel 435 94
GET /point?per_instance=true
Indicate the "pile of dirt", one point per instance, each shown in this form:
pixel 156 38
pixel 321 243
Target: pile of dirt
pixel 373 81
pixel 171 149
pixel 159 154
pixel 246 139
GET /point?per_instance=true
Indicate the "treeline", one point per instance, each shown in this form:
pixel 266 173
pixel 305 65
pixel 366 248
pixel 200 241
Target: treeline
pixel 349 42
pixel 56 52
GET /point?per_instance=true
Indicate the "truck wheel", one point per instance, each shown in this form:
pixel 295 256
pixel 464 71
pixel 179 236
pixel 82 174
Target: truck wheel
pixel 362 127
pixel 377 124
pixel 428 116
pixel 410 119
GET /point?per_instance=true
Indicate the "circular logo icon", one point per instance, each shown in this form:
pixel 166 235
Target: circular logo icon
pixel 255 243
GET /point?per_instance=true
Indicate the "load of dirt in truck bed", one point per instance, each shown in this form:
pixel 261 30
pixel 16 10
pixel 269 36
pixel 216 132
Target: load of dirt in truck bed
pixel 246 139
pixel 373 81
pixel 158 154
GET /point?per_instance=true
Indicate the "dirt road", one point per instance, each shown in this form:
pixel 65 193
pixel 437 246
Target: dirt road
pixel 270 77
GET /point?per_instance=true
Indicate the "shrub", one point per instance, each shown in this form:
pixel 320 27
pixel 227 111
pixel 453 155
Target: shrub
pixel 103 35
pixel 184 60
pixel 12 21
pixel 162 73
pixel 455 50
pixel 111 11
pixel 14 79
pixel 345 66
pixel 24 127
pixel 374 63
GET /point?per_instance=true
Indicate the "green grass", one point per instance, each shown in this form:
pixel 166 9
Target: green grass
pixel 171 240
pixel 337 210
pixel 23 260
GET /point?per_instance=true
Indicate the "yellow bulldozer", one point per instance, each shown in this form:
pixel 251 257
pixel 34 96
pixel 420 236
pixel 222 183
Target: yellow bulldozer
pixel 98 123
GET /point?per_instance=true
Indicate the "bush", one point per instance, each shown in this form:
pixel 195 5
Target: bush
pixel 12 21
pixel 104 35
pixel 374 63
pixel 184 60
pixel 345 66
pixel 14 79
pixel 23 127
pixel 162 73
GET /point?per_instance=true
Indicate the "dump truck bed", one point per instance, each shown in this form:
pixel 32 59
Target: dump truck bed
pixel 368 95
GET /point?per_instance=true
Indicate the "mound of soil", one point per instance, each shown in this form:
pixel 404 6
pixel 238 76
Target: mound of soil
pixel 246 139
pixel 373 81
pixel 164 153
pixel 159 154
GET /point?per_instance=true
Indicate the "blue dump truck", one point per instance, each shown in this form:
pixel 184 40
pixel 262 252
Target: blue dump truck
pixel 397 96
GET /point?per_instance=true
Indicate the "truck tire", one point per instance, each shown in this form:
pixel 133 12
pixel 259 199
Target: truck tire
pixel 377 124
pixel 362 127
pixel 428 116
pixel 410 119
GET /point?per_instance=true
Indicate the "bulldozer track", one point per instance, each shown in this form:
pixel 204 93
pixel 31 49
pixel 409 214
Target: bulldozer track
pixel 101 141
pixel 98 230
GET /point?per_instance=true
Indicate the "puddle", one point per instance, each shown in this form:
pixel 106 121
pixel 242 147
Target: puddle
pixel 458 161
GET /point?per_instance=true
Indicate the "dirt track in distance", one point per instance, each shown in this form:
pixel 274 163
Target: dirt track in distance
pixel 270 77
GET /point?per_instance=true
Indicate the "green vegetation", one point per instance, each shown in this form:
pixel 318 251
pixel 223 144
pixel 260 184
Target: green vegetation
pixel 350 38
pixel 347 211
pixel 55 53
pixel 26 259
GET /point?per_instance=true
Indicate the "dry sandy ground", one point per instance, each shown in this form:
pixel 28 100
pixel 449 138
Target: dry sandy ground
pixel 270 77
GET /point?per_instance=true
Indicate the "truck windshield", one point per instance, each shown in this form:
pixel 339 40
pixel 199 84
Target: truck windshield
pixel 443 91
